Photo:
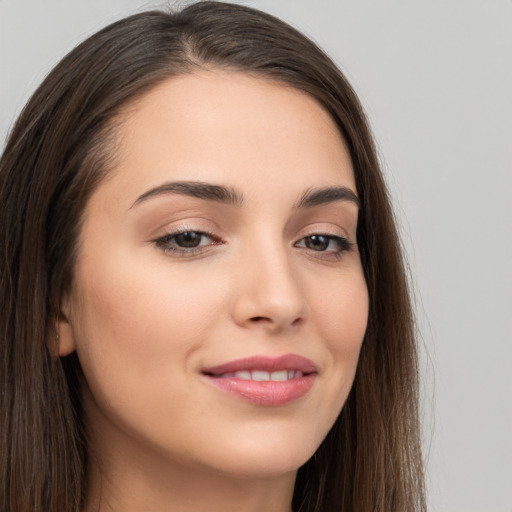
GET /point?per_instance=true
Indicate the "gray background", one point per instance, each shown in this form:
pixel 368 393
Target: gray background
pixel 436 80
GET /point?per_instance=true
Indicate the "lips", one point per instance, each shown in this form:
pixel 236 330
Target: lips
pixel 263 376
pixel 263 380
pixel 264 364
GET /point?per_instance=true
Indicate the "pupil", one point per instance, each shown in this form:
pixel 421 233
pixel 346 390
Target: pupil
pixel 188 239
pixel 317 242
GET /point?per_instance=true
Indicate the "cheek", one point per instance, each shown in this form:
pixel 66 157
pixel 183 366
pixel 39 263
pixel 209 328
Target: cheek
pixel 133 321
pixel 343 313
pixel 142 306
pixel 342 320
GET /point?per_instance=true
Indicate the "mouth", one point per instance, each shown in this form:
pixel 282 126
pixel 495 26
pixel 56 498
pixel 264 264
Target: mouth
pixel 261 375
pixel 263 380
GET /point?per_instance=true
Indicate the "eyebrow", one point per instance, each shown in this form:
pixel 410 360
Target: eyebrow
pixel 228 195
pixel 199 189
pixel 318 196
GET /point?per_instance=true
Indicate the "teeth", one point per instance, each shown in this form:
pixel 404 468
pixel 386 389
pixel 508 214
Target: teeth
pixel 243 375
pixel 279 376
pixel 262 376
pixel 259 375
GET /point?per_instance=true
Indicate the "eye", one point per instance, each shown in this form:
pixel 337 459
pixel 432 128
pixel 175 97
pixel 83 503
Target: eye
pixel 186 242
pixel 325 243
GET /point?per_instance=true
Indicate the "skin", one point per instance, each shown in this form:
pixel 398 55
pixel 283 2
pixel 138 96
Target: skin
pixel 145 319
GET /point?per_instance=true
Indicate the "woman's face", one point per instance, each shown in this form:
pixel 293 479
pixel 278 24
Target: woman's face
pixel 219 304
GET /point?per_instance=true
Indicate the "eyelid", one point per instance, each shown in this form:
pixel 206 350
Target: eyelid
pixel 178 222
pixel 326 229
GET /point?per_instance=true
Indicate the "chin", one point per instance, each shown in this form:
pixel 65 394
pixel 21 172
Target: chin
pixel 262 467
pixel 264 458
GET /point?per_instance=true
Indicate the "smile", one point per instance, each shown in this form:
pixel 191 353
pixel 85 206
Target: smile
pixel 264 381
pixel 263 376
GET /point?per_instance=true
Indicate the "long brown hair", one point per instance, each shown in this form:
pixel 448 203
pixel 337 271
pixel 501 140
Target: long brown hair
pixel 63 144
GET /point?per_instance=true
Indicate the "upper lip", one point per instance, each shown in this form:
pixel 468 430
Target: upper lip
pixel 264 363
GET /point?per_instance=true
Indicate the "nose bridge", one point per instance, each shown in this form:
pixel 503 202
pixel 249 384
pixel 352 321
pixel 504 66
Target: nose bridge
pixel 269 289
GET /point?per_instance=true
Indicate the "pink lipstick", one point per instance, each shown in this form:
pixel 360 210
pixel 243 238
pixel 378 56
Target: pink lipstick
pixel 262 380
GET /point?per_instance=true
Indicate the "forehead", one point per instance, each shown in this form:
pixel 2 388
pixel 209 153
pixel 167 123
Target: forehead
pixel 229 128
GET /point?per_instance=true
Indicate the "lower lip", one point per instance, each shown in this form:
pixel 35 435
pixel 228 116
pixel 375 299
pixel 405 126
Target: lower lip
pixel 267 393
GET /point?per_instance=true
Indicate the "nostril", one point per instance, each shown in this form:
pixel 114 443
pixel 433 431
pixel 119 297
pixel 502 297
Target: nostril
pixel 270 321
pixel 259 319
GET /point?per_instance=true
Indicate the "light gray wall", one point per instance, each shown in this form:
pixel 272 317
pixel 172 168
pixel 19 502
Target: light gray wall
pixel 436 80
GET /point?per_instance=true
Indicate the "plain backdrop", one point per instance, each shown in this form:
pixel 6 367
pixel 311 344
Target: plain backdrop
pixel 436 80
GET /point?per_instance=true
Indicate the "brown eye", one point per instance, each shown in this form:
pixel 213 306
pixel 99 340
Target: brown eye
pixel 330 244
pixel 188 239
pixel 186 242
pixel 317 242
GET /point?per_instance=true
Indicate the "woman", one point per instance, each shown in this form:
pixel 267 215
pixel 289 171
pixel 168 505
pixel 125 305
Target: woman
pixel 205 305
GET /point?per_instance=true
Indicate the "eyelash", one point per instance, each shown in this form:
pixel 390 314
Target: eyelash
pixel 167 243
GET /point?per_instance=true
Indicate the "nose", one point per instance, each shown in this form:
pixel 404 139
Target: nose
pixel 268 293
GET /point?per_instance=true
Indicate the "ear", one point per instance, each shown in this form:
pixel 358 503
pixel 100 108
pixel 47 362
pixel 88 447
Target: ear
pixel 65 335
